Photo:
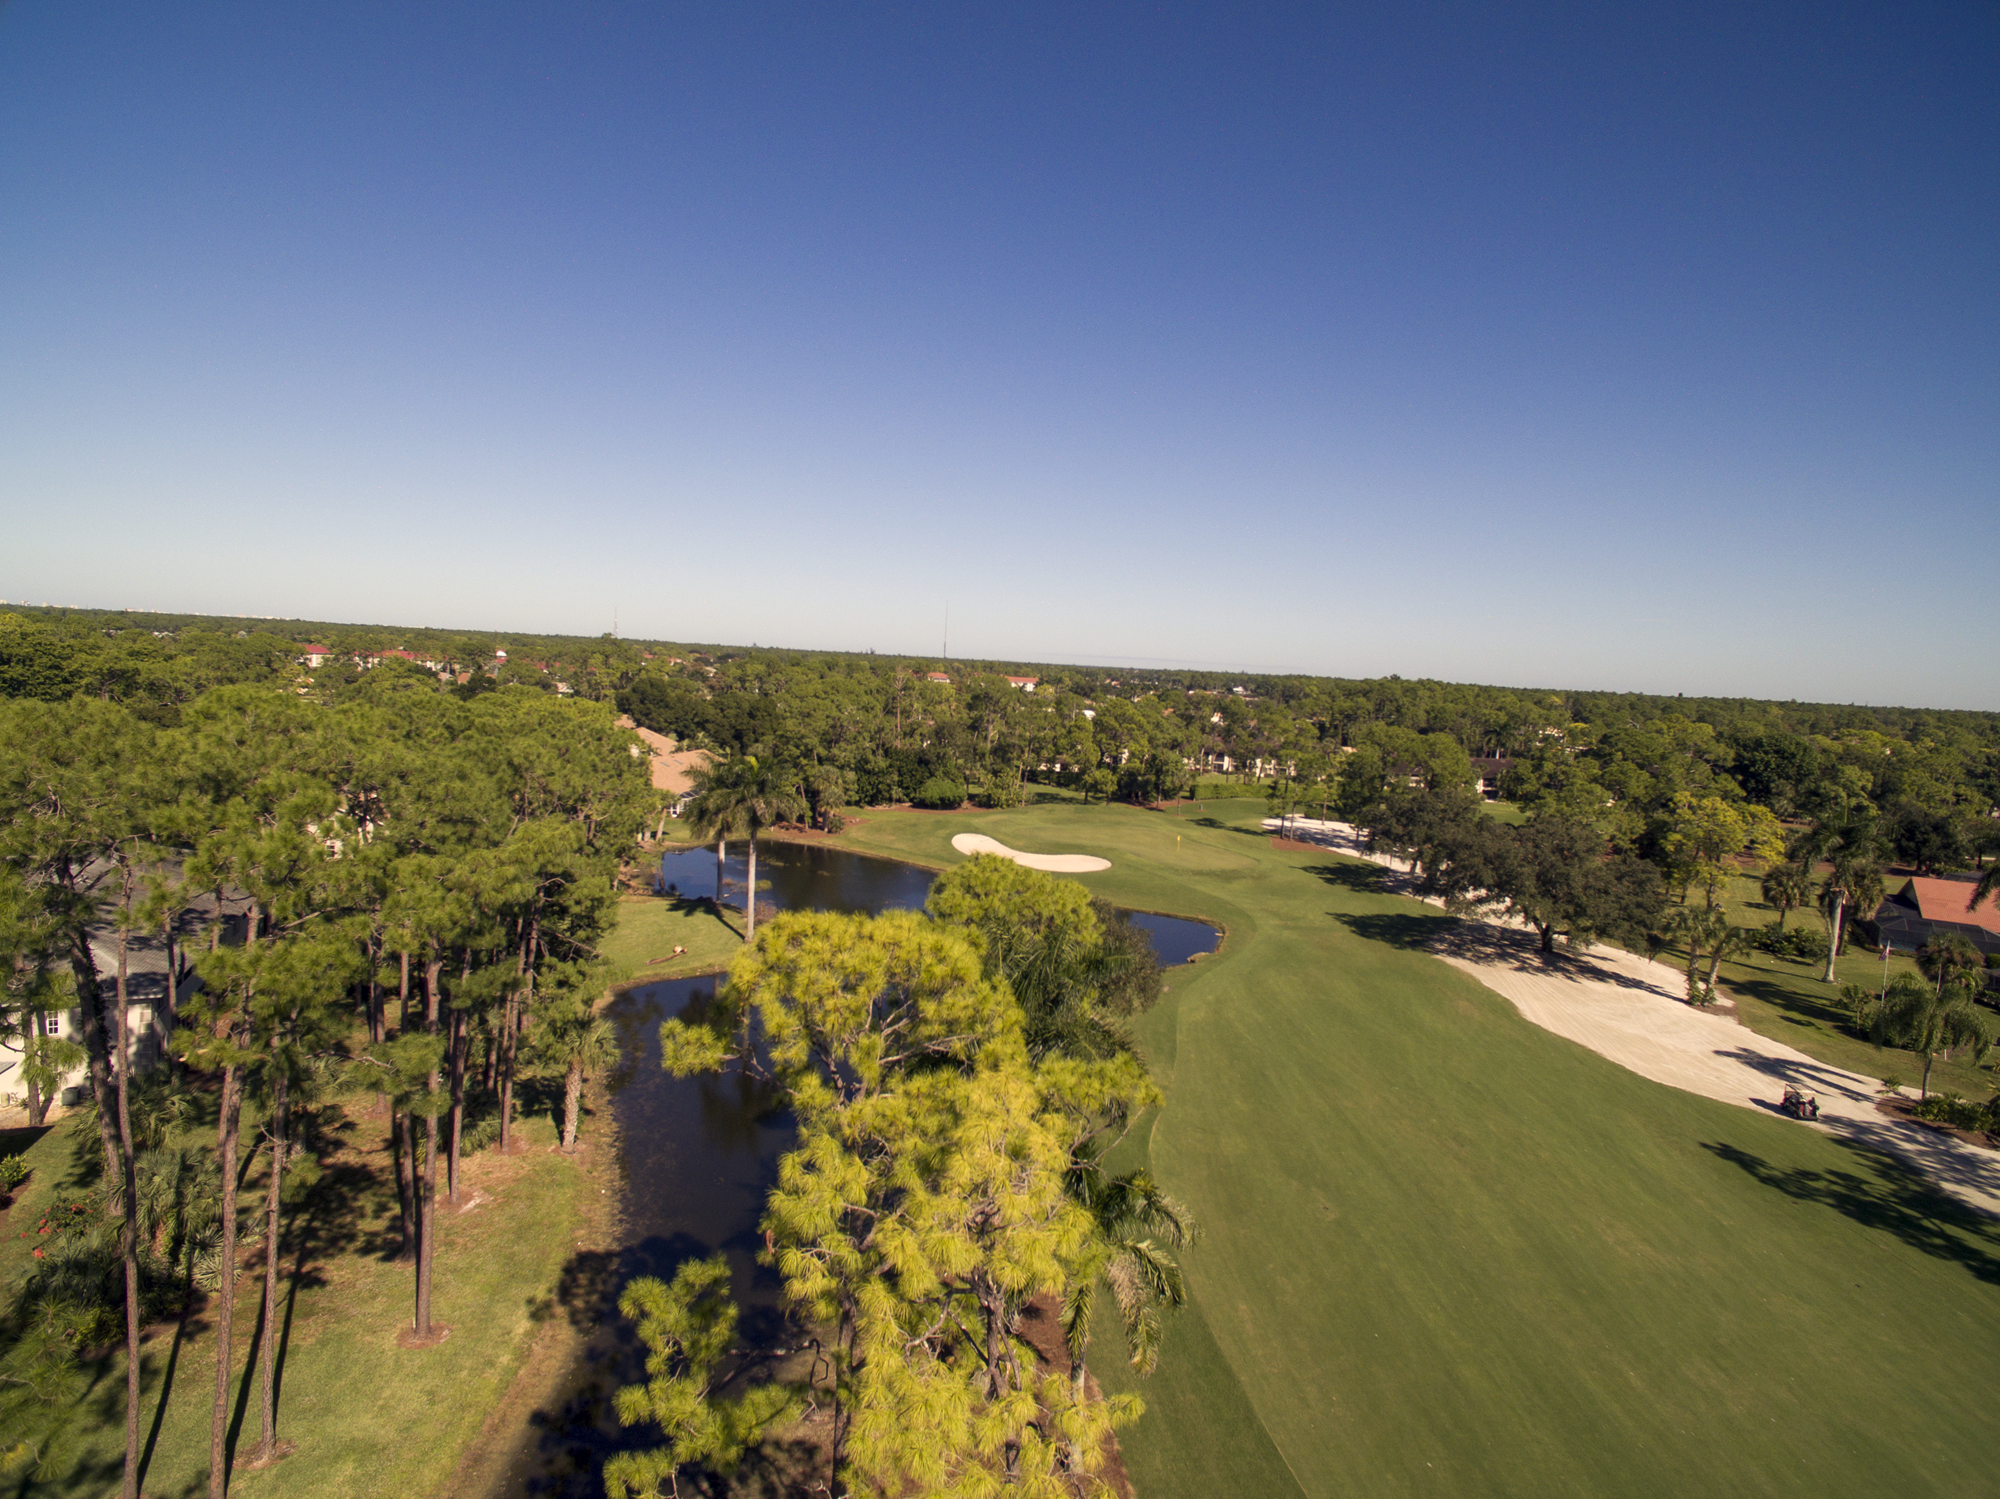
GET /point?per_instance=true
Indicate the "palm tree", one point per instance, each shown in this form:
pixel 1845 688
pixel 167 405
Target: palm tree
pixel 1988 883
pixel 1854 885
pixel 1949 957
pixel 578 1044
pixel 1137 1224
pixel 1701 928
pixel 747 794
pixel 1726 943
pixel 1919 1018
pixel 1788 887
pixel 1849 840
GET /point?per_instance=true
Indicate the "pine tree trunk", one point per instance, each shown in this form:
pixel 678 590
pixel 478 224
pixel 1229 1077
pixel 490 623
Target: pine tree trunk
pixel 510 1032
pixel 170 1006
pixel 97 1049
pixel 572 1098
pixel 458 1037
pixel 403 1145
pixel 267 1447
pixel 38 1106
pixel 128 1243
pixel 427 1189
pixel 427 1231
pixel 457 1057
pixel 225 1308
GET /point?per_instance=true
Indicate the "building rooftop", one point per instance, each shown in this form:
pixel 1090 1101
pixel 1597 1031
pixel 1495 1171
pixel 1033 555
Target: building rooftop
pixel 1945 900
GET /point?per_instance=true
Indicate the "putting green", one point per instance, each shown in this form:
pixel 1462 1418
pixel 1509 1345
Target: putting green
pixel 1447 1252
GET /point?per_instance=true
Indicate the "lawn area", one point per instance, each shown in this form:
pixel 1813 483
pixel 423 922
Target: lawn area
pixel 369 1417
pixel 1785 1000
pixel 1448 1253
pixel 650 927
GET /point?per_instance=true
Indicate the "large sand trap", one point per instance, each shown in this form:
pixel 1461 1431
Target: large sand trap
pixel 1630 1009
pixel 979 843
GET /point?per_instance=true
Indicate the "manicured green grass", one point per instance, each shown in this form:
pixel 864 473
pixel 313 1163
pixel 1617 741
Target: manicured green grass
pixel 1505 812
pixel 650 927
pixel 369 1417
pixel 1448 1253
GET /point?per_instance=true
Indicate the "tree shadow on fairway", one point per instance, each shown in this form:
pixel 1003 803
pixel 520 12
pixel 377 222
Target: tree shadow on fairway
pixel 1229 827
pixel 1396 928
pixel 1361 877
pixel 1800 1008
pixel 1881 1195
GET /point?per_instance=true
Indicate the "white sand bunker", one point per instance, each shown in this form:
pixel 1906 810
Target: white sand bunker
pixel 979 843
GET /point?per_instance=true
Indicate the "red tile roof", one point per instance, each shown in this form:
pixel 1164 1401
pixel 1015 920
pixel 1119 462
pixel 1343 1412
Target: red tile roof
pixel 1944 900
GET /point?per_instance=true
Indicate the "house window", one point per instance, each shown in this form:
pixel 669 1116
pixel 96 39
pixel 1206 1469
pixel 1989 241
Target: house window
pixel 51 1023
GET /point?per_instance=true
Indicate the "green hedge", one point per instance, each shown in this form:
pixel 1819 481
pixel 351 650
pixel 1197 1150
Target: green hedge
pixel 1214 791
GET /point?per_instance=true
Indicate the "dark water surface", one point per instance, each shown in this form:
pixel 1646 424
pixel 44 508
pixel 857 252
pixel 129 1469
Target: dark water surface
pixel 699 1155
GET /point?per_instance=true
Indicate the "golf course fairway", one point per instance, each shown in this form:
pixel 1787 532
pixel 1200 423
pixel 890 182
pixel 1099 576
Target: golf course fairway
pixel 1447 1253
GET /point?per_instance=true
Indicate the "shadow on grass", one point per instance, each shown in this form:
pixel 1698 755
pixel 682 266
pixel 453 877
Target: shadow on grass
pixel 1396 928
pixel 1880 1195
pixel 1805 1008
pixel 1359 877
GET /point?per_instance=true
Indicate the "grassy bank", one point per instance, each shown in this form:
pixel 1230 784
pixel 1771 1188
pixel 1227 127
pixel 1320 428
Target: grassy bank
pixel 1449 1253
pixel 368 1417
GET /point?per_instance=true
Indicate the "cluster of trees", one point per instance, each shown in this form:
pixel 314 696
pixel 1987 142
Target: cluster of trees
pixel 1932 1013
pixel 1558 874
pixel 958 1082
pixel 389 886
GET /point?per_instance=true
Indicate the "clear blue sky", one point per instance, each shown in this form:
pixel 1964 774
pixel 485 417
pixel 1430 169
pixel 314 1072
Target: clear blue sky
pixel 1594 346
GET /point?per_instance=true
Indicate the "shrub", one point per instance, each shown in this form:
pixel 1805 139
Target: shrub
pixel 1949 1108
pixel 939 795
pixel 832 821
pixel 1804 944
pixel 1004 793
pixel 13 1171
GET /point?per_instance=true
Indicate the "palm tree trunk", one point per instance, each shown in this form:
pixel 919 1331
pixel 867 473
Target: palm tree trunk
pixel 572 1096
pixel 1833 947
pixel 721 853
pixel 750 897
pixel 1924 1088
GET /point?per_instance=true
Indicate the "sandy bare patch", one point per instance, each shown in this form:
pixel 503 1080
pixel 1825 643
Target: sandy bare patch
pixel 1631 1010
pixel 979 843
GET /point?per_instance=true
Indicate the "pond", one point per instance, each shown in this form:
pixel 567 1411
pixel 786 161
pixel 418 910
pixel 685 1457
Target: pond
pixel 699 1155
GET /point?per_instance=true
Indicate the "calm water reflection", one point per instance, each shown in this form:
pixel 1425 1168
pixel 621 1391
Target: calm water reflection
pixel 699 1155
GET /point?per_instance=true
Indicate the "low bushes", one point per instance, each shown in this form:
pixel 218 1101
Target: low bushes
pixel 1960 1113
pixel 1801 943
pixel 939 795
